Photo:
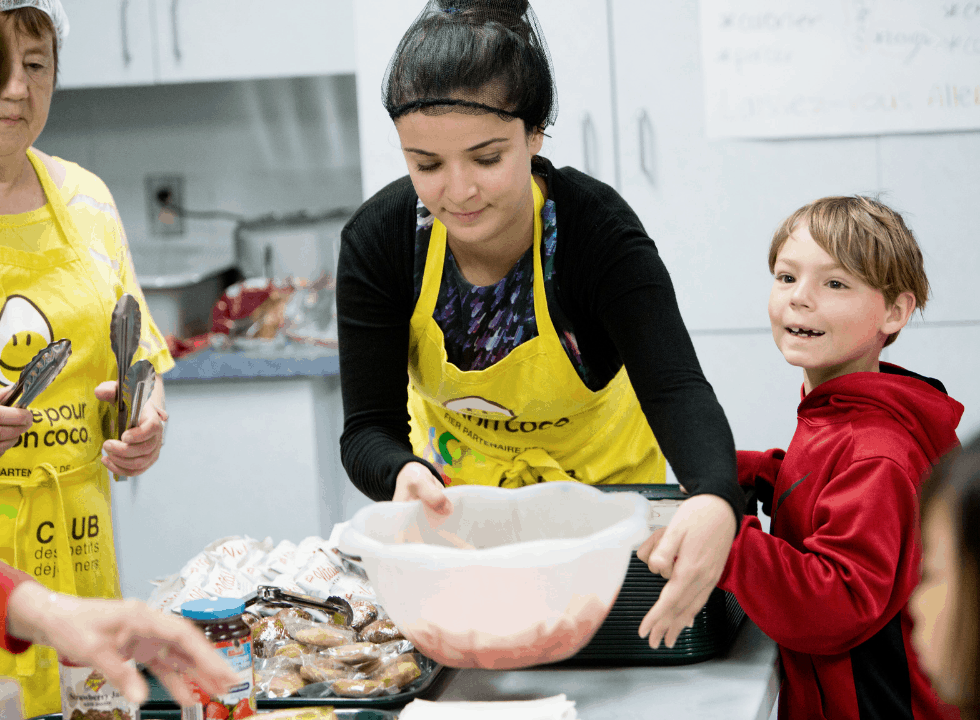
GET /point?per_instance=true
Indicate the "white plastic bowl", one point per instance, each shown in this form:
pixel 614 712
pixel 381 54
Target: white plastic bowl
pixel 548 563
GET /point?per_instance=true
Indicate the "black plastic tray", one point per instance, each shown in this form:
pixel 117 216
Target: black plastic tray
pixel 425 686
pixel 617 641
pixel 342 714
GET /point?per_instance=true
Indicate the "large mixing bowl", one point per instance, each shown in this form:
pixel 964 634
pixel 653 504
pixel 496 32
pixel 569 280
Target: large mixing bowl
pixel 513 578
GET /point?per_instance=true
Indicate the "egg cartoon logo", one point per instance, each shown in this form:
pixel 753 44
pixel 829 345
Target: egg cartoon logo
pixel 24 330
pixel 474 403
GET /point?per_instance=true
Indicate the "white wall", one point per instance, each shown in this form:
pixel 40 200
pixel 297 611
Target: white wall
pixel 250 147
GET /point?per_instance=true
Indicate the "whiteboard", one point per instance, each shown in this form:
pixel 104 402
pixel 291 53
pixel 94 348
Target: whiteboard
pixel 807 68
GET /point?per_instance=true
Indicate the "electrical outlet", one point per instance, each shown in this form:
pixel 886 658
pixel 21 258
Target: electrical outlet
pixel 164 200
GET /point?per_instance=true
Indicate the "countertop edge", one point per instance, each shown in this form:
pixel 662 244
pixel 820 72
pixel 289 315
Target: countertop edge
pixel 208 365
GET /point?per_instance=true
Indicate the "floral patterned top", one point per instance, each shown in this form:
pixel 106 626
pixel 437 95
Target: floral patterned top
pixel 482 324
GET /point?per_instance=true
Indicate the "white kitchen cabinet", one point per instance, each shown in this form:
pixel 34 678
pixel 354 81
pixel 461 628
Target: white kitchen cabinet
pixel 239 39
pixel 577 35
pixel 111 43
pixel 129 42
pixel 933 180
pixel 576 32
pixel 711 206
pixel 378 28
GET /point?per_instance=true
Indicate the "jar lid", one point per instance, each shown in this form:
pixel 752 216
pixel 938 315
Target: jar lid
pixel 212 609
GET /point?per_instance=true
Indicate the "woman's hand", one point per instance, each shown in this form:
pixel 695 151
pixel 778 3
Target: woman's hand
pixel 107 634
pixel 14 422
pixel 691 553
pixel 140 445
pixel 416 482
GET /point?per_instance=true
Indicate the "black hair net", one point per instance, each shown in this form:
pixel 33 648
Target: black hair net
pixel 473 56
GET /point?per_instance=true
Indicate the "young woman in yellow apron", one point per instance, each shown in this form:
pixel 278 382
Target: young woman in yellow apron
pixel 65 263
pixel 536 322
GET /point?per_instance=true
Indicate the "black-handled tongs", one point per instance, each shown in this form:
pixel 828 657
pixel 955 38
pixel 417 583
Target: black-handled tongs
pixel 38 374
pixel 332 605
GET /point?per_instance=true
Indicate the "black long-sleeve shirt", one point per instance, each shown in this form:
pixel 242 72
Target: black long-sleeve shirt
pixel 610 285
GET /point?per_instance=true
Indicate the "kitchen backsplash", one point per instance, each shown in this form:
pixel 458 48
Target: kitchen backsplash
pixel 251 148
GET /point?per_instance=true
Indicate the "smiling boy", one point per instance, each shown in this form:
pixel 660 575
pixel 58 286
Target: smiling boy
pixel 832 581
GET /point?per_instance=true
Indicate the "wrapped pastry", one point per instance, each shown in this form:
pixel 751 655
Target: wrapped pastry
pixel 322 673
pixel 268 634
pixel 322 635
pixel 251 619
pixel 381 631
pixel 318 713
pixel 395 647
pixel 284 685
pixel 354 654
pixel 401 671
pixel 291 614
pixel 358 688
pixel 368 667
pixel 365 613
pixel 291 649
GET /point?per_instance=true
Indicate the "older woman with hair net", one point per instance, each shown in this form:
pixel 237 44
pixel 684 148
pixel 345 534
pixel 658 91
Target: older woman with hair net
pixel 65 264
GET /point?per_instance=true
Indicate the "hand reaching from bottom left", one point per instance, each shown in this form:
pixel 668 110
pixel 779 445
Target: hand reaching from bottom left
pixel 107 634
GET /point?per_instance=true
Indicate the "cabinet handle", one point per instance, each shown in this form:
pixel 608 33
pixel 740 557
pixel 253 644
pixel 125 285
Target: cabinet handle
pixel 646 153
pixel 173 24
pixel 589 161
pixel 123 8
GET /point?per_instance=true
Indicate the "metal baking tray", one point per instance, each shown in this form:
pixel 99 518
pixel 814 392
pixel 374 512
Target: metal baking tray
pixel 342 714
pixel 617 641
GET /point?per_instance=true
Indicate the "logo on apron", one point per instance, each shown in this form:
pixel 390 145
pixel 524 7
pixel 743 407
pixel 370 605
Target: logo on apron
pixel 24 331
pixel 476 403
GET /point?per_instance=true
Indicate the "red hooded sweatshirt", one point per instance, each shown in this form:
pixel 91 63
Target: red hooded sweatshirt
pixel 832 581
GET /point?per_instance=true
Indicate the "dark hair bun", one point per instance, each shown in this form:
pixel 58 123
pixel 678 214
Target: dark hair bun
pixel 511 8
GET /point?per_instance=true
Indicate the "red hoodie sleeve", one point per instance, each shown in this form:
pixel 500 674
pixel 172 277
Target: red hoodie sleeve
pixel 10 578
pixel 833 594
pixel 759 470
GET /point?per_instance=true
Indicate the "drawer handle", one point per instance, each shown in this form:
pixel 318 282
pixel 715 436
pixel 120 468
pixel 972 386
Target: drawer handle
pixel 646 153
pixel 176 33
pixel 589 160
pixel 123 7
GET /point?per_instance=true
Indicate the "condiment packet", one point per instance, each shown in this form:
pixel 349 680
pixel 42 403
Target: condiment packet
pixel 254 574
pixel 351 588
pixel 222 582
pixel 287 583
pixel 200 563
pixel 163 596
pixel 232 551
pixel 190 591
pixel 280 557
pixel 318 575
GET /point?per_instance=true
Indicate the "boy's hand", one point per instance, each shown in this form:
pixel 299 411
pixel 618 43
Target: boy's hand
pixel 691 553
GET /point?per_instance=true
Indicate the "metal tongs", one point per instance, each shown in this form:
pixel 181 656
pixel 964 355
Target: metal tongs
pixel 124 337
pixel 38 374
pixel 137 388
pixel 333 605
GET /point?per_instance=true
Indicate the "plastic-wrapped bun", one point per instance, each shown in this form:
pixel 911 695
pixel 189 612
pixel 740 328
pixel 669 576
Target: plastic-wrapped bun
pixel 475 57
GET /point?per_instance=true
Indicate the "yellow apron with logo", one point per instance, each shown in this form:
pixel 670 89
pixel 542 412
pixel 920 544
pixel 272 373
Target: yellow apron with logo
pixel 528 418
pixel 55 509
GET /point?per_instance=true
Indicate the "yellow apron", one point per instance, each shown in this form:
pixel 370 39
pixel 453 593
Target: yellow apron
pixel 55 508
pixel 528 418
